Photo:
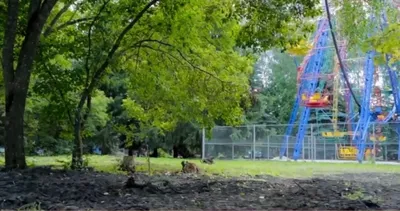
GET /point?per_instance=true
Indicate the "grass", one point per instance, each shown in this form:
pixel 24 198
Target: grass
pixel 223 167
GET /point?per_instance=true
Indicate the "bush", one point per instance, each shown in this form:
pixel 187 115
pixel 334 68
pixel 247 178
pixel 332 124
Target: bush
pixel 163 154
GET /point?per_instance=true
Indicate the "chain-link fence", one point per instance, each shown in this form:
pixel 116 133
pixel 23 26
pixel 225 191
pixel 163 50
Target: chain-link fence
pixel 320 142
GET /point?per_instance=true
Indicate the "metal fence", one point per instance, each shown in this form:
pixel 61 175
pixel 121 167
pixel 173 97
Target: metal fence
pixel 321 142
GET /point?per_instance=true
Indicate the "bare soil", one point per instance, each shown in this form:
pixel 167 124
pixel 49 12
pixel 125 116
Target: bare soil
pixel 73 190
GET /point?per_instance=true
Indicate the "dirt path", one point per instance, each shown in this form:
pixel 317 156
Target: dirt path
pixel 68 190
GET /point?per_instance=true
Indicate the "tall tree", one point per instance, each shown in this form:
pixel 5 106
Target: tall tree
pixel 17 61
pixel 118 32
pixel 276 72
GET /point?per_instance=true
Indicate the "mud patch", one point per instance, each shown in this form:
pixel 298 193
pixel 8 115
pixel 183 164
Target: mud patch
pixel 72 190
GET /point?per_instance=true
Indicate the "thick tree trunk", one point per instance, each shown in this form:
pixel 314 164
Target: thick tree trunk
pixel 14 131
pixel 17 80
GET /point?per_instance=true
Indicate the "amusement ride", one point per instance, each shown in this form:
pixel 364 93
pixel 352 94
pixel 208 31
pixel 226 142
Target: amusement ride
pixel 346 97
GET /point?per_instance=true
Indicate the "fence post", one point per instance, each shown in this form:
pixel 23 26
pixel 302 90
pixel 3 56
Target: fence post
pixel 386 154
pixel 302 149
pixel 336 151
pixel 374 142
pixel 254 142
pixel 312 141
pixel 233 151
pixel 309 147
pixel 268 146
pixel 324 149
pixel 315 148
pixel 203 144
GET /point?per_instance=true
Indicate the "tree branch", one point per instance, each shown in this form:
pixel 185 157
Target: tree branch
pixel 33 32
pixel 97 76
pixel 9 40
pixel 181 55
pixel 8 49
pixel 60 92
pixel 53 22
pixel 87 66
pixel 33 6
pixel 100 71
pixel 72 22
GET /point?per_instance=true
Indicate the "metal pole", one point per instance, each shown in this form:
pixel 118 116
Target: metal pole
pixel 374 142
pixel 287 150
pixel 268 147
pixel 336 151
pixel 309 148
pixel 302 150
pixel 324 149
pixel 233 151
pixel 386 158
pixel 203 144
pixel 254 142
pixel 315 148
pixel 312 141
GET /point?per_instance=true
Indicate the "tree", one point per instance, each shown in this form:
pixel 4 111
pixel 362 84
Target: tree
pixel 369 16
pixel 276 72
pixel 28 28
pixel 118 32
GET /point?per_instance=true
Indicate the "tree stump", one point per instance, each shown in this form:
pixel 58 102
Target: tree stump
pixel 128 164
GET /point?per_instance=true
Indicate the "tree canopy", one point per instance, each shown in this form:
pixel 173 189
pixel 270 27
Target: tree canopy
pixel 84 70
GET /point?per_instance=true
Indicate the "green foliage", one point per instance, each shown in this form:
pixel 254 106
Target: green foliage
pixel 65 163
pixel 367 16
pixel 98 116
pixel 275 23
pixel 189 74
pixel 183 66
pixel 163 154
pixel 275 78
pixel 388 43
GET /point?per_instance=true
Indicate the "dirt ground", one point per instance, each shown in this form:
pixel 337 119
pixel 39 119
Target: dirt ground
pixel 71 190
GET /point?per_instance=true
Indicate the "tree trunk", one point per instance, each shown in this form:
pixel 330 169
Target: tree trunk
pixel 77 153
pixel 128 164
pixel 14 130
pixel 17 80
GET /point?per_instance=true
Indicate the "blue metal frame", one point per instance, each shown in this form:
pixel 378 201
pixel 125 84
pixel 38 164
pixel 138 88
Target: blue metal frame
pixel 360 134
pixel 304 86
pixel 315 66
pixel 322 25
pixel 395 86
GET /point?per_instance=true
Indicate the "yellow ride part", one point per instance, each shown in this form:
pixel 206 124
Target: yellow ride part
pixel 334 134
pixel 378 138
pixel 301 49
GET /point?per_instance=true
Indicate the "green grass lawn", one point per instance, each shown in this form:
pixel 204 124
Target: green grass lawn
pixel 222 167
